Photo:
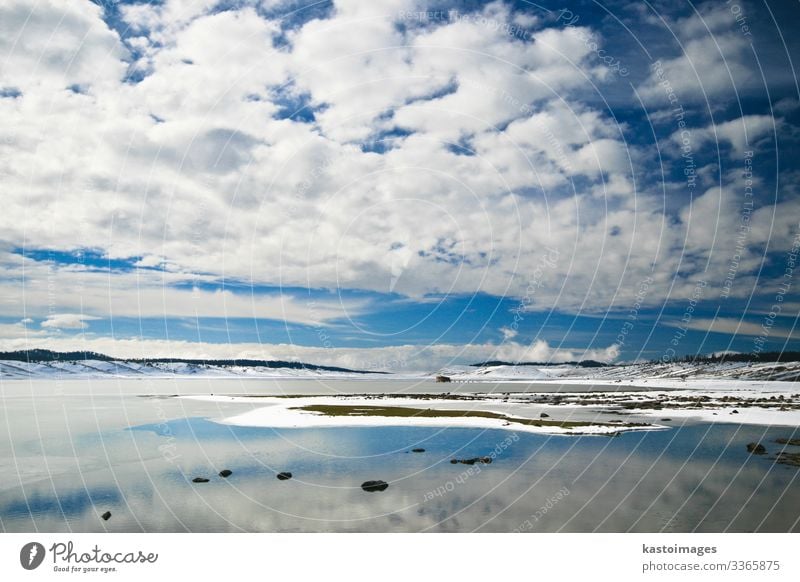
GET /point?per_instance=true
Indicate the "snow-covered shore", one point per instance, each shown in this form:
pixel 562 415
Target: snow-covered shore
pixel 286 413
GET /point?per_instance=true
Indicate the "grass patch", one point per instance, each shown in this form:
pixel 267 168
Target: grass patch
pixel 406 412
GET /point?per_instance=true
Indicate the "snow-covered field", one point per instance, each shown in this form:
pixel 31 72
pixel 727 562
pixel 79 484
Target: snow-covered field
pixel 667 374
pixel 125 369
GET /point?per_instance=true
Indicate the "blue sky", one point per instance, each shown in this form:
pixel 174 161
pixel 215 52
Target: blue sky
pixel 403 186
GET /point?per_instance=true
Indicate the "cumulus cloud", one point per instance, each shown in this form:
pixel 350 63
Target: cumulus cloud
pixel 713 59
pixel 68 321
pixel 149 294
pixel 358 149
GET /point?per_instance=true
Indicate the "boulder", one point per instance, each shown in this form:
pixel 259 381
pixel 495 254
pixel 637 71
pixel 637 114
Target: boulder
pixel 544 415
pixel 225 473
pixel 417 450
pixel 756 448
pixel 199 480
pixel 374 486
pixel 442 378
pixel 106 516
pixel 284 475
pixel 784 441
pixel 472 461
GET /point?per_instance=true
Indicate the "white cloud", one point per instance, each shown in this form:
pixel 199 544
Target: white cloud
pixel 741 134
pixel 732 326
pixel 148 294
pixel 193 170
pixel 68 321
pixel 713 60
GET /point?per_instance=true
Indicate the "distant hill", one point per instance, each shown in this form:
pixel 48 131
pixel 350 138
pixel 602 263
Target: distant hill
pixel 49 356
pixel 581 364
pixel 745 357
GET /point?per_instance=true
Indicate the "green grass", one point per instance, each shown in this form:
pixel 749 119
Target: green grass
pixel 406 412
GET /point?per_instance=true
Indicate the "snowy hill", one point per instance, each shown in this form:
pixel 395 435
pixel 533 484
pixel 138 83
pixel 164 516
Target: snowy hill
pixel 673 371
pixel 92 368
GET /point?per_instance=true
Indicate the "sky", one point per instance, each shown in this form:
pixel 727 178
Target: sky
pixel 399 185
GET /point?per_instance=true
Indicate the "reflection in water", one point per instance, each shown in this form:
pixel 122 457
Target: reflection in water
pixel 137 458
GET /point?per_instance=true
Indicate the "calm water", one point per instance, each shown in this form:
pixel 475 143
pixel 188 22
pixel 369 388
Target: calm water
pixel 70 451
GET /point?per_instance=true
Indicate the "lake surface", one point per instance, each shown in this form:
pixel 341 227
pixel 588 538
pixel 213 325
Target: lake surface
pixel 71 450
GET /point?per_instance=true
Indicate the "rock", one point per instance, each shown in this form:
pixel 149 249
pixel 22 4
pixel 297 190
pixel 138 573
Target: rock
pixel 666 420
pixel 442 378
pixel 199 480
pixel 284 475
pixel 225 473
pixel 734 411
pixel 472 461
pixel 417 450
pixel 793 442
pixel 106 516
pixel 756 448
pixel 374 486
pixel 544 415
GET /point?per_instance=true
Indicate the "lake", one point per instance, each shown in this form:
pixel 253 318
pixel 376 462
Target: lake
pixel 71 450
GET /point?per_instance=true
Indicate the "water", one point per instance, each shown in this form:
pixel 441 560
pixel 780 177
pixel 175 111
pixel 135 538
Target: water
pixel 70 451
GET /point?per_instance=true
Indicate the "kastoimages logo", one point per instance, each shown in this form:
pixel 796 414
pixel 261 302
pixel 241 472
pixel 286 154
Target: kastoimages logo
pixel 31 555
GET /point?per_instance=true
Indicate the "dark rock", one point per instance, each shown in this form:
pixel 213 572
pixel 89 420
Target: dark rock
pixel 544 415
pixel 417 450
pixel 666 420
pixel 734 411
pixel 106 516
pixel 225 473
pixel 793 442
pixel 284 475
pixel 791 459
pixel 374 486
pixel 442 378
pixel 199 480
pixel 756 448
pixel 472 461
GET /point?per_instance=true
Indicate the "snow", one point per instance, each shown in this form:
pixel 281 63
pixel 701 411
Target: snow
pixel 280 413
pixel 121 369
